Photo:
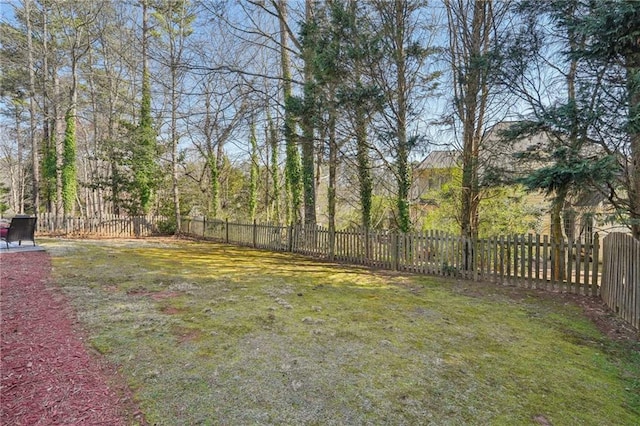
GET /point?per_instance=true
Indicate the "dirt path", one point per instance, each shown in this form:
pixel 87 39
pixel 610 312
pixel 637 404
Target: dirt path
pixel 47 375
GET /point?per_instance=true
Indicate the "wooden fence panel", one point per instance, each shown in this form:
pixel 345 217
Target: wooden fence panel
pixel 104 226
pixel 621 276
pixel 526 260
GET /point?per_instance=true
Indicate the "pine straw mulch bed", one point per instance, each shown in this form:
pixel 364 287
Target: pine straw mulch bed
pixel 48 376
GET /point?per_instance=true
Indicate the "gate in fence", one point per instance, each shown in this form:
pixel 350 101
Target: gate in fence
pixel 621 276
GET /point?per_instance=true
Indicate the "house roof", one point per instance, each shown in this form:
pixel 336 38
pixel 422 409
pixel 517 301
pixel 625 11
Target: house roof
pixel 495 152
pixel 498 153
pixel 440 160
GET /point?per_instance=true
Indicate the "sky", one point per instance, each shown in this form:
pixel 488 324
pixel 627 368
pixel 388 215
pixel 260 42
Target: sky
pixel 439 136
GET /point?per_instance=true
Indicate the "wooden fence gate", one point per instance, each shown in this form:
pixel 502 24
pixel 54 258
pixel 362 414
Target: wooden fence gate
pixel 621 276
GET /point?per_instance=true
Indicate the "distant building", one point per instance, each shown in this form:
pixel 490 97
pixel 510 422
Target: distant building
pixel 433 172
pixel 583 215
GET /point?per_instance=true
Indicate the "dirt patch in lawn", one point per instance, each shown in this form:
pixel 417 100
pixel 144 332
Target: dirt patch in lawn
pixel 614 327
pixel 610 324
pixel 153 295
pixel 48 375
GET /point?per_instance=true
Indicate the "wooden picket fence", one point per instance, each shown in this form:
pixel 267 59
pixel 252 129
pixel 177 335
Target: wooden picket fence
pixel 621 276
pixel 530 261
pixel 104 226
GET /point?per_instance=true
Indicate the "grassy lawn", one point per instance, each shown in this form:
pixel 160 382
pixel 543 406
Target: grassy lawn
pixel 213 334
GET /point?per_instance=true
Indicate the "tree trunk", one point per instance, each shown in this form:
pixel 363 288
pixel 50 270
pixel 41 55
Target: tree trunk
pixel 308 139
pixel 69 172
pixel 292 167
pixel 364 168
pixel 146 144
pixel 93 197
pixel 35 160
pixel 633 89
pixel 471 111
pixel 557 236
pixel 469 38
pixel 20 167
pixel 58 144
pixel 253 173
pixel 211 158
pixel 402 160
pixel 174 146
pixel 275 180
pixel 333 170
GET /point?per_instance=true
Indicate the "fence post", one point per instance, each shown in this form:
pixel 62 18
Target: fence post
pixel 476 256
pixel 596 260
pixel 395 245
pixel 332 242
pixel 204 226
pixel 467 256
pixel 255 234
pixel 226 230
pixel 290 242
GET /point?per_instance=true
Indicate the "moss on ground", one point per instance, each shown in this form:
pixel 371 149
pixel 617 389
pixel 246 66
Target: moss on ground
pixel 214 334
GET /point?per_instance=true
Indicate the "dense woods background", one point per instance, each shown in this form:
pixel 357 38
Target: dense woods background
pixel 320 112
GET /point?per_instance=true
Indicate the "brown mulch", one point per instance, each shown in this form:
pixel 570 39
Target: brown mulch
pixel 47 374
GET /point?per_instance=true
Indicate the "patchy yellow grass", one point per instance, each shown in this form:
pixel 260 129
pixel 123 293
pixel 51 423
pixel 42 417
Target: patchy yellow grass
pixel 214 334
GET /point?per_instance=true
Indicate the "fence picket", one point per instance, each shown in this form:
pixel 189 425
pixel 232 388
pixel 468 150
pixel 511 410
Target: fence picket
pixel 583 287
pixel 530 261
pixel 580 249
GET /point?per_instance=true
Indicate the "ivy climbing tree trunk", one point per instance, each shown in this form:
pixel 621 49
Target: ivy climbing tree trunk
pixel 275 175
pixel 69 171
pixel 308 127
pixel 49 148
pixel 333 174
pixel 58 144
pixel 364 166
pixel 293 179
pixel 144 151
pixel 402 160
pixel 69 181
pixel 253 173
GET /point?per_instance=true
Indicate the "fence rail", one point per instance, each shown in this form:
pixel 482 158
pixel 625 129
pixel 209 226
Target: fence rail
pixel 104 226
pixel 530 261
pixel 621 276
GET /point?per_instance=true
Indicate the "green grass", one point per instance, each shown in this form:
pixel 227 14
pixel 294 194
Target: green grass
pixel 213 334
